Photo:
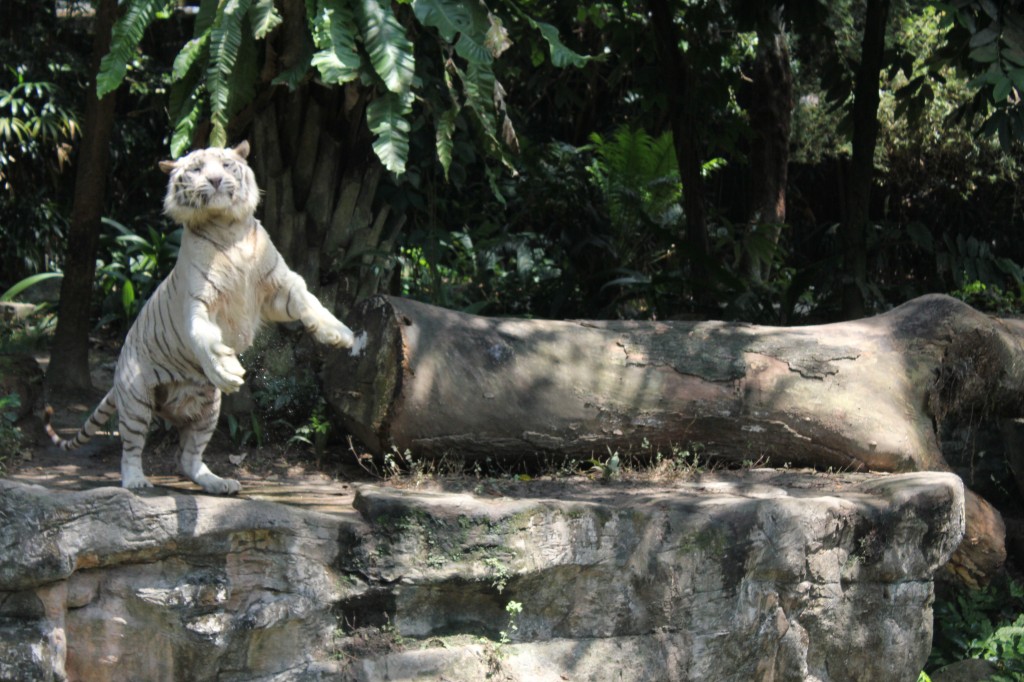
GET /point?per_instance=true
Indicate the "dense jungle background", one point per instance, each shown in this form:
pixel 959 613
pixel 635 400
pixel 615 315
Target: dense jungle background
pixel 774 162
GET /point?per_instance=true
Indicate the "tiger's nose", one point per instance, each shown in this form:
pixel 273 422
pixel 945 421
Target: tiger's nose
pixel 215 180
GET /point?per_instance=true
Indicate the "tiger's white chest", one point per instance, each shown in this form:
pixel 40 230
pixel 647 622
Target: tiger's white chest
pixel 233 291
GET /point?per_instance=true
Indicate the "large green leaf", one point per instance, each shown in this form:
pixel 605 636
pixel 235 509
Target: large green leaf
pixel 447 16
pixel 390 50
pixel 445 129
pixel 478 82
pixel 264 17
pixel 561 56
pixel 387 118
pixel 124 41
pixel 334 34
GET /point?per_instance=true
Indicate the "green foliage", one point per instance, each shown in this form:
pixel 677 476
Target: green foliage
pixel 315 432
pixel 365 40
pixel 37 127
pixel 986 40
pixel 24 284
pixel 986 624
pixel 135 267
pixel 10 434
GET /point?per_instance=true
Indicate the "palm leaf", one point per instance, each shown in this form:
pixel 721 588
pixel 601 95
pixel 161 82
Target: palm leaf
pixel 334 34
pixel 390 50
pixel 190 54
pixel 386 117
pixel 225 43
pixel 124 41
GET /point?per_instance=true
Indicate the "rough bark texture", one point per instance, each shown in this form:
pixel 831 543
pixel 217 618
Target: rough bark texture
pixel 761 575
pixel 853 231
pixel 771 114
pixel 686 131
pixel 313 158
pixel 861 395
pixel 70 354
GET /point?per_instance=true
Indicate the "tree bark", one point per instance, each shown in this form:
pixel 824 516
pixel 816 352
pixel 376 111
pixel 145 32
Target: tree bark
pixel 313 157
pixel 854 228
pixel 69 364
pixel 686 134
pixel 861 395
pixel 771 114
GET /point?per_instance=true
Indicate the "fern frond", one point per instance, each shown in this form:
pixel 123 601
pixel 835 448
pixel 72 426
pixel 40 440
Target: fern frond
pixel 334 34
pixel 124 41
pixel 390 50
pixel 387 118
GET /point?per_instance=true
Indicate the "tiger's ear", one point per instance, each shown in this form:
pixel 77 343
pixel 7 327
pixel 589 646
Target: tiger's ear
pixel 242 149
pixel 168 166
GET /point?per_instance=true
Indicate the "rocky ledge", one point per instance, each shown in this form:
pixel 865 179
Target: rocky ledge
pixel 757 575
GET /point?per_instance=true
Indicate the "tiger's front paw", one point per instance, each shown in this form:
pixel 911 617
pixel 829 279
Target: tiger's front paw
pixel 224 370
pixel 330 331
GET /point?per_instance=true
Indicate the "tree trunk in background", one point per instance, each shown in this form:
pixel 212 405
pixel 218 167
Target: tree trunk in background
pixel 313 158
pixel 686 135
pixel 312 154
pixel 771 113
pixel 869 394
pixel 853 230
pixel 69 363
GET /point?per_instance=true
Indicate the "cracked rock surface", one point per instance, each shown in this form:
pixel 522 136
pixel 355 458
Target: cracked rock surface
pixel 756 575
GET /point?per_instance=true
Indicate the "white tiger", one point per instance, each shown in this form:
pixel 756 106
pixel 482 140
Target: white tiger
pixel 182 351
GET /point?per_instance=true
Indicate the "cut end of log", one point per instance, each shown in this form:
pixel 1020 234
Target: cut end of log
pixel 361 382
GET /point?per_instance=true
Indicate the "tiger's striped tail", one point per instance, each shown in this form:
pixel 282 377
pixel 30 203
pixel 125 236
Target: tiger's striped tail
pixel 97 419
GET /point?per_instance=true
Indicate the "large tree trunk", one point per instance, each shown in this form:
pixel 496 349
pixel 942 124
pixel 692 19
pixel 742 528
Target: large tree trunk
pixel 861 395
pixel 313 157
pixel 853 230
pixel 69 364
pixel 686 135
pixel 771 114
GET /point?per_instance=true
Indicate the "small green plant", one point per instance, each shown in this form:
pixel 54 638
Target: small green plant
pixel 513 609
pixel 986 624
pixel 499 573
pixel 243 434
pixel 315 432
pixel 609 468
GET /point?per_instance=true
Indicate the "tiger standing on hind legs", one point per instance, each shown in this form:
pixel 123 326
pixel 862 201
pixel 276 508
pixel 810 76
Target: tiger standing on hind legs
pixel 181 353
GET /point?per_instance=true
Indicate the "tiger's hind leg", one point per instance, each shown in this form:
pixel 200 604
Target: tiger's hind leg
pixel 195 435
pixel 135 411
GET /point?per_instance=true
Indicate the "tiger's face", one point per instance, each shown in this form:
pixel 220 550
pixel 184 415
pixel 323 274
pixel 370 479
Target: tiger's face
pixel 211 184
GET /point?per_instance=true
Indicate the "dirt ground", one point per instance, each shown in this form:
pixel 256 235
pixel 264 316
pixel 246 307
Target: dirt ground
pixel 280 472
pixel 292 474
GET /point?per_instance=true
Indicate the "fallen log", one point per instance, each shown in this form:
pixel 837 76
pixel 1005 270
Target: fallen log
pixel 862 395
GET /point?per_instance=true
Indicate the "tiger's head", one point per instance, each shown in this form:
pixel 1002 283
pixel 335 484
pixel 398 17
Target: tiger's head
pixel 211 184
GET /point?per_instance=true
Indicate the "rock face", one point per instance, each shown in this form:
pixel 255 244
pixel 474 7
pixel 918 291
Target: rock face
pixel 752 576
